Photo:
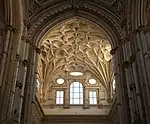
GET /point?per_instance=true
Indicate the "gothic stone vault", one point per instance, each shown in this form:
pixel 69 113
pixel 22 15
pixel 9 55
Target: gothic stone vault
pixel 23 24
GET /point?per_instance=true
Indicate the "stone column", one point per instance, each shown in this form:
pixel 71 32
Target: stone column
pixel 142 65
pixel 86 96
pixel 67 94
pixel 121 90
pixel 86 99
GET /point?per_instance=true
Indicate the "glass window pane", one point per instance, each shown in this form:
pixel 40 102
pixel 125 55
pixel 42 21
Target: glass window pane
pixel 81 95
pixel 90 94
pixel 76 101
pixel 76 90
pixel 71 101
pixel 71 95
pixel 61 101
pixel 91 101
pixel 61 93
pixel 81 101
pixel 71 89
pixel 76 95
pixel 94 94
pixel 80 85
pixel 57 100
pixel 94 101
pixel 57 94
pixel 76 84
pixel 81 90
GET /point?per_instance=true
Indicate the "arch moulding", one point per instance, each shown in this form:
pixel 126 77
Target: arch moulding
pixel 46 19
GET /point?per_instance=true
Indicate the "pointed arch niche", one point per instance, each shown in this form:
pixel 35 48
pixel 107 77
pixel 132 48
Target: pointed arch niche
pixel 79 46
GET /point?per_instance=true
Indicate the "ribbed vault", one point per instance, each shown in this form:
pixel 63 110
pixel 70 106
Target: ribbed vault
pixel 75 44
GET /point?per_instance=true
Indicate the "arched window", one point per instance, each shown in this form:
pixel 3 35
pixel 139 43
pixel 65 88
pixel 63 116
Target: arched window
pixel 76 93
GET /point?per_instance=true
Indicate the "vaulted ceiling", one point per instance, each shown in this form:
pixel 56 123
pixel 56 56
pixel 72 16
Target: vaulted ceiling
pixel 75 45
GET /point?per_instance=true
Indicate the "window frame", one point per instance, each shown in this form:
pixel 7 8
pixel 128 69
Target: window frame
pixel 81 97
pixel 96 97
pixel 63 98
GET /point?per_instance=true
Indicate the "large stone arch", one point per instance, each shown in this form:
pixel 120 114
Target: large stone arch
pixel 44 20
pixel 48 18
pixel 130 50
